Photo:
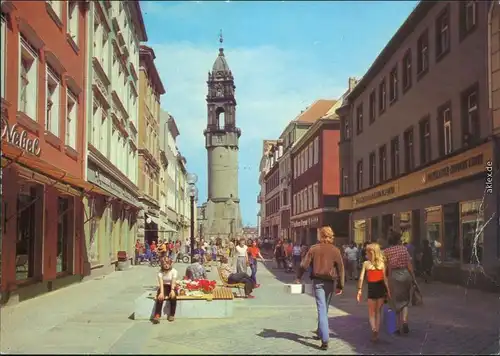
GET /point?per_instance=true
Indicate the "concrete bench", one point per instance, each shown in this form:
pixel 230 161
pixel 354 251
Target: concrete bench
pixel 187 308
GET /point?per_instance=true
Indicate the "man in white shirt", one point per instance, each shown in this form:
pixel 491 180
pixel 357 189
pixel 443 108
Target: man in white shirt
pixel 351 253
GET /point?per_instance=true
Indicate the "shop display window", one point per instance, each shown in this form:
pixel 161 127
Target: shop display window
pixel 451 235
pixel 26 232
pixel 359 231
pixel 433 226
pixel 374 229
pixel 405 227
pixel 387 225
pixel 472 224
pixel 63 233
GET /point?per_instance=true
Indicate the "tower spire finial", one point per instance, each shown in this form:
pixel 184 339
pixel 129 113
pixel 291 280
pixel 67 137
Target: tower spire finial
pixel 221 39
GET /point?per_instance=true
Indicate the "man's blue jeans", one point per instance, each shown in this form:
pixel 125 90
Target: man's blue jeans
pixel 253 267
pixel 323 292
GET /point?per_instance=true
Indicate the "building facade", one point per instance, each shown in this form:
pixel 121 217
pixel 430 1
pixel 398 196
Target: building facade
pixel 222 144
pixel 416 130
pixel 43 146
pixel 183 203
pixel 115 30
pixel 264 166
pixel 150 166
pixel 272 194
pixel 168 150
pixel 315 184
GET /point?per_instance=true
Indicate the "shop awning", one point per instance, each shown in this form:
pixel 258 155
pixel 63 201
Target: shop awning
pixel 13 154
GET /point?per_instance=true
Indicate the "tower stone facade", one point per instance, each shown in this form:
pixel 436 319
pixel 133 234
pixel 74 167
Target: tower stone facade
pixel 223 215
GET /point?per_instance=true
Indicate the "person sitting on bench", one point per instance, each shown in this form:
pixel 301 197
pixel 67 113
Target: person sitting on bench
pixel 196 270
pixel 235 278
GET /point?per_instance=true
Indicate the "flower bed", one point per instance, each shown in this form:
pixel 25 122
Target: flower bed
pixel 196 287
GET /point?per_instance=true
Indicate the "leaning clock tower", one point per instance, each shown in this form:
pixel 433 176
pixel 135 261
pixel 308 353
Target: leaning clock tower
pixel 223 215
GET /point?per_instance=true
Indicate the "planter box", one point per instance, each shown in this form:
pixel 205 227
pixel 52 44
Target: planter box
pixel 186 308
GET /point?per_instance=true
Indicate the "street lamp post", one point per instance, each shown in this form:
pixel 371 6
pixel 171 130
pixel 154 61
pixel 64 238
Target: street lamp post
pixel 193 196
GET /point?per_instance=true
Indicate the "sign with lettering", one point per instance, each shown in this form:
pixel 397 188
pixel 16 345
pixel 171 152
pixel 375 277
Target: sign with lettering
pixel 19 138
pixel 454 168
pixel 375 195
pixel 308 222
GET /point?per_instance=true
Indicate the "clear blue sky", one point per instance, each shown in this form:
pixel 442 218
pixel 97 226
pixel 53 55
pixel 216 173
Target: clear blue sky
pixel 283 55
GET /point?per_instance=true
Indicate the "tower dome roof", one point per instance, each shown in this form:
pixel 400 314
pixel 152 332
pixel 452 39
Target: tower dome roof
pixel 220 64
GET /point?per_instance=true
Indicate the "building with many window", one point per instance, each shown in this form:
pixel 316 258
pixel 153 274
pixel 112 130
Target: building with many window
pixel 43 146
pixel 264 166
pixel 150 90
pixel 315 181
pixel 115 30
pixel 416 141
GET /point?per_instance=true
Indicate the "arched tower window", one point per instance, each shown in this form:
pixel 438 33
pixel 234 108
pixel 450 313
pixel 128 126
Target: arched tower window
pixel 221 118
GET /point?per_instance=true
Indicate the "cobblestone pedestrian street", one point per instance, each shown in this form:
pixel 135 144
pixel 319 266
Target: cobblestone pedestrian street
pixel 93 317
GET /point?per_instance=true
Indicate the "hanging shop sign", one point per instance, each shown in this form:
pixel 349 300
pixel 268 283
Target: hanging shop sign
pixel 19 138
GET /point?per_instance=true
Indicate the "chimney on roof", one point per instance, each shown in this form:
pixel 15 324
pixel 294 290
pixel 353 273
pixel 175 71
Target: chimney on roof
pixel 352 83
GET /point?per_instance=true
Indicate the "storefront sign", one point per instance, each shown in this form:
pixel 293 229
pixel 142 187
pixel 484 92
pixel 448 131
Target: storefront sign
pixel 375 195
pixel 20 138
pixel 312 221
pixel 104 181
pixel 454 168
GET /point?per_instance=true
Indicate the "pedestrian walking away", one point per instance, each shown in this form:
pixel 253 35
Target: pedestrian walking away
pixel 326 279
pixel 401 279
pixel 296 256
pixel 241 257
pixel 378 286
pixel 351 254
pixel 253 254
pixel 167 278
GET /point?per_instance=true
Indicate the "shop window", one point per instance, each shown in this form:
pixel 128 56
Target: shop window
pixel 28 79
pixel 451 239
pixel 472 224
pixel 405 227
pixel 387 224
pixel 374 228
pixel 433 227
pixel 26 233
pixel 359 231
pixel 63 234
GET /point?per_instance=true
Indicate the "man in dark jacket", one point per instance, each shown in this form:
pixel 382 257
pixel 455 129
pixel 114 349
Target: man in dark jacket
pixel 327 276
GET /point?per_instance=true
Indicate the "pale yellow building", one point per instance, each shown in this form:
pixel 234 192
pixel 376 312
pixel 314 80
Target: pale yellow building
pixel 150 90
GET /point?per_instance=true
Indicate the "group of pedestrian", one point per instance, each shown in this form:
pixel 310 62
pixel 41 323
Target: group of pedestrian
pixel 145 251
pixel 288 254
pixel 389 274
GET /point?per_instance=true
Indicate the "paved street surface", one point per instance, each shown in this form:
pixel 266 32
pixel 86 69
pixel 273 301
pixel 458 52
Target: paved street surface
pixel 93 317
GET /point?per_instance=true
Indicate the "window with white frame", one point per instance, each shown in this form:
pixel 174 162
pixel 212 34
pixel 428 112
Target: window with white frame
pixel 52 102
pixel 311 154
pixel 315 195
pixel 104 133
pixel 472 116
pixel 310 197
pixel 316 150
pixel 448 147
pixel 71 117
pixel 2 56
pixel 28 79
pixel 96 127
pixel 72 7
pixel 470 15
pixel 307 164
pixel 56 6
